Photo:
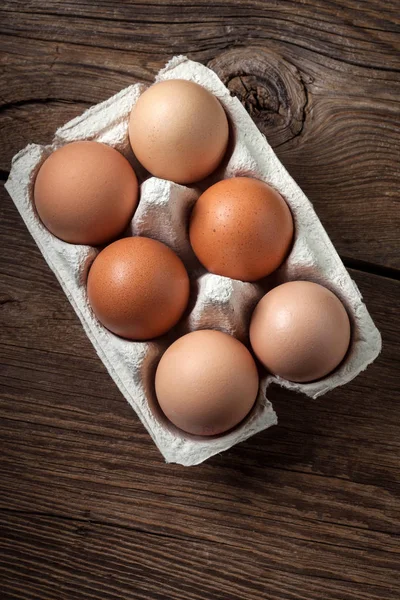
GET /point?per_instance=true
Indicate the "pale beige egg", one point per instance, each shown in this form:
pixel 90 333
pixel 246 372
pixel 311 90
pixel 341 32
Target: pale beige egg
pixel 300 331
pixel 206 382
pixel 178 131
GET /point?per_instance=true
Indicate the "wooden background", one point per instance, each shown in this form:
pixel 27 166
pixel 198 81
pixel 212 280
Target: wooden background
pixel 309 510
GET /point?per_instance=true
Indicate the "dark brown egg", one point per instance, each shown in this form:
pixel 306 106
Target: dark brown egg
pixel 138 288
pixel 86 193
pixel 241 228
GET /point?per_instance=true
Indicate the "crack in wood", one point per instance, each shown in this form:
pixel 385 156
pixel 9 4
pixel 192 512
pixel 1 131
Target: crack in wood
pixel 32 101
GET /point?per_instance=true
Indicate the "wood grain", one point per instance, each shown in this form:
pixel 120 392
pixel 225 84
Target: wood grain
pixel 85 559
pixel 309 507
pixel 336 29
pixel 307 510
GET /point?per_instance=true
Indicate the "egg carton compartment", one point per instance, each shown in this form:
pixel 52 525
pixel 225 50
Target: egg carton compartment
pixel 216 302
pixel 163 214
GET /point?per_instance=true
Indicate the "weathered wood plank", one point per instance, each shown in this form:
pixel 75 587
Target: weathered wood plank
pixel 49 558
pixel 341 30
pixel 309 509
pixel 334 126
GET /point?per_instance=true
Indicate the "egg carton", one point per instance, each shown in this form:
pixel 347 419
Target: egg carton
pixel 216 302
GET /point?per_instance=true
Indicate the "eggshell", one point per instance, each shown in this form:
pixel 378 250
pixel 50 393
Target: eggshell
pixel 206 382
pixel 300 331
pixel 138 288
pixel 179 131
pixel 241 228
pixel 86 193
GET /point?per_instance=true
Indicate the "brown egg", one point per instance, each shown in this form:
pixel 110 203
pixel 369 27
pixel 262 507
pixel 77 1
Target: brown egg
pixel 178 131
pixel 138 288
pixel 300 331
pixel 241 228
pixel 206 382
pixel 86 193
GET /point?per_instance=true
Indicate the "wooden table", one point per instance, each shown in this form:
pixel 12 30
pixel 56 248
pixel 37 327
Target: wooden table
pixel 308 510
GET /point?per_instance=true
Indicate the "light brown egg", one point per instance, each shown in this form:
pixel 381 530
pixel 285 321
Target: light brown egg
pixel 179 131
pixel 86 193
pixel 300 331
pixel 206 382
pixel 138 288
pixel 241 228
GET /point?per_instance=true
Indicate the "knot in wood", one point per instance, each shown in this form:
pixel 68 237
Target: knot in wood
pixel 270 88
